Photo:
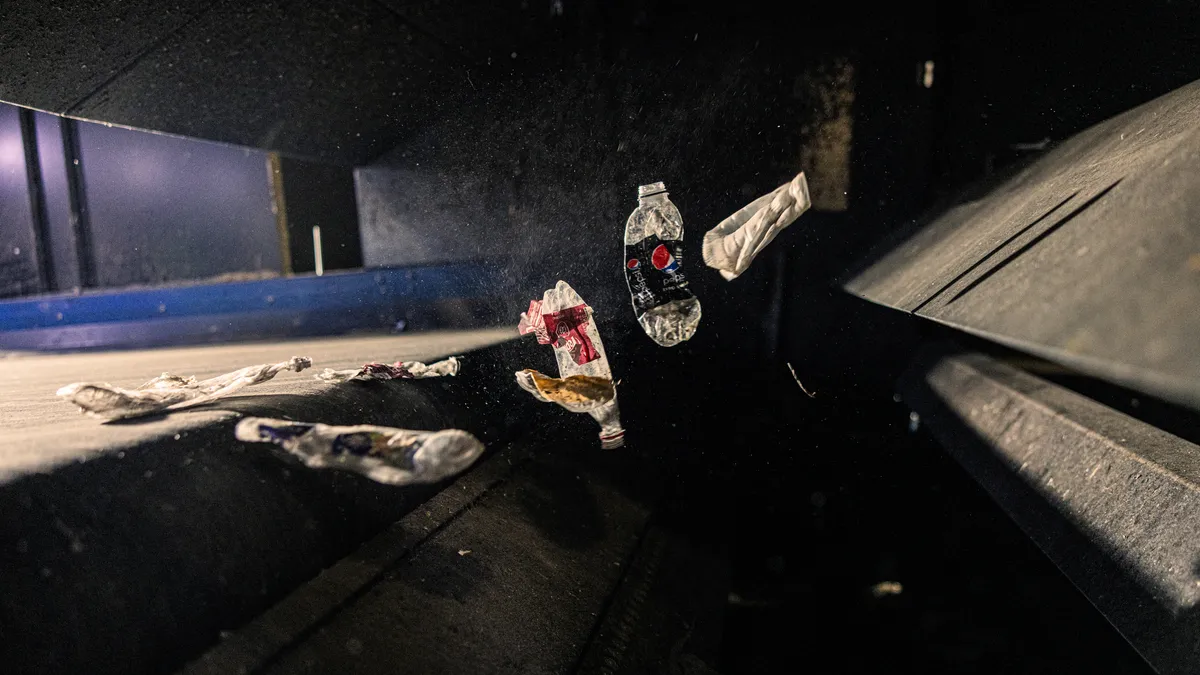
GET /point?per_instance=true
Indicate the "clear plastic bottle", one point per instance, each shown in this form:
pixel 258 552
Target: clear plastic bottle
pixel 562 319
pixel 662 302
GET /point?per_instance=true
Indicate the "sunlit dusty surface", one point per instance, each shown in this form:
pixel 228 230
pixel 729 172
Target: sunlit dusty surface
pixel 40 430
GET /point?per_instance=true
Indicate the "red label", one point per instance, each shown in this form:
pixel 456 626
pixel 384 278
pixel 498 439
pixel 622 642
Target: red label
pixel 383 371
pixel 532 322
pixel 568 330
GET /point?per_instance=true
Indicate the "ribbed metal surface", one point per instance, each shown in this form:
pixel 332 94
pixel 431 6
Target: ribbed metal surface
pixel 1089 256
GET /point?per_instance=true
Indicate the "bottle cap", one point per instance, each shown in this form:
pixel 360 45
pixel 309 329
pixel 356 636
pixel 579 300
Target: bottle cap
pixel 651 189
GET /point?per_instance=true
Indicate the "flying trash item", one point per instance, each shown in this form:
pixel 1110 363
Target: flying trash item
pixel 169 392
pixel 664 306
pixel 383 454
pixel 577 393
pixel 563 320
pixel 732 245
pixel 410 370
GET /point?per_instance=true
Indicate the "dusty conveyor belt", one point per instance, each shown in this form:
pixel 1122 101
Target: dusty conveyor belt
pixel 42 431
pixel 130 547
pixel 164 545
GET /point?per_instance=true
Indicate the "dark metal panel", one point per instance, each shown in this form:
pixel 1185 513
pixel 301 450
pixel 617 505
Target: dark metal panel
pixel 53 55
pixel 415 217
pixel 162 208
pixel 1114 502
pixel 81 228
pixel 52 159
pixel 37 202
pixel 338 80
pixel 18 245
pixel 1089 256
pixel 320 195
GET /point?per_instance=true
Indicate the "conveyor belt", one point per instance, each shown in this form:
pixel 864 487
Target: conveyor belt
pixel 44 431
pixel 143 540
pixel 142 546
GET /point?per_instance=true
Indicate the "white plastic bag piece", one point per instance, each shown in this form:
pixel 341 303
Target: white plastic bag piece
pixel 170 392
pixel 562 319
pixel 732 245
pixel 410 370
pixel 383 454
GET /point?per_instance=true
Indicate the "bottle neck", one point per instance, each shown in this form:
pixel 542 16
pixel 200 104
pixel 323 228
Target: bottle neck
pixel 660 198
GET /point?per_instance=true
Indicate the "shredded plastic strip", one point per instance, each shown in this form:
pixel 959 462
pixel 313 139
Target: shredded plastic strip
pixel 383 454
pixel 169 392
pixel 411 370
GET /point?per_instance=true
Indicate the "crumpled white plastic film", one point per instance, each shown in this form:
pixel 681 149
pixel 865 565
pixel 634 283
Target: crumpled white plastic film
pixel 731 246
pixel 383 454
pixel 169 392
pixel 410 370
pixel 563 320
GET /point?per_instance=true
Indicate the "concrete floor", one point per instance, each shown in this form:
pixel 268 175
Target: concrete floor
pixel 42 431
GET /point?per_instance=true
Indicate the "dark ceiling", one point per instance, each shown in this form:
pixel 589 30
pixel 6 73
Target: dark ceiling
pixel 339 80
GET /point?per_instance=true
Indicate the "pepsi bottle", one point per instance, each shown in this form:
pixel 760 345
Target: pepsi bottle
pixel 664 306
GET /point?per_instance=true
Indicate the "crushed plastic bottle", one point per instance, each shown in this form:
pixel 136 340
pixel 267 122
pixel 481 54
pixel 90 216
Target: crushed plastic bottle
pixel 563 320
pixel 169 392
pixel 664 306
pixel 383 454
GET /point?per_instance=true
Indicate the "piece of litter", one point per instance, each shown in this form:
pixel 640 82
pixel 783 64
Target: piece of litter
pixel 563 320
pixel 664 306
pixel 733 244
pixel 383 454
pixel 170 392
pixel 887 588
pixel 400 370
pixel 577 393
pixel 793 371
pixel 464 551
pixel 914 421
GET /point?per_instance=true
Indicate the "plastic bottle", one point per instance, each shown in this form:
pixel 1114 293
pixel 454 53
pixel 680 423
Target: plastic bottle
pixel 664 306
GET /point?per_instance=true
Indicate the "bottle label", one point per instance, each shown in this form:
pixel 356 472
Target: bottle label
pixel 567 330
pixel 654 272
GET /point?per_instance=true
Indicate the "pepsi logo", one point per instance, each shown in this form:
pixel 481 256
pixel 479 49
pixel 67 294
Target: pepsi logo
pixel 632 264
pixel 663 260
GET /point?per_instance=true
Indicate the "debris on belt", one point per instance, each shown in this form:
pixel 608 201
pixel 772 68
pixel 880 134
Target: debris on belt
pixel 733 244
pixel 400 370
pixel 664 306
pixel 562 319
pixel 383 454
pixel 169 392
